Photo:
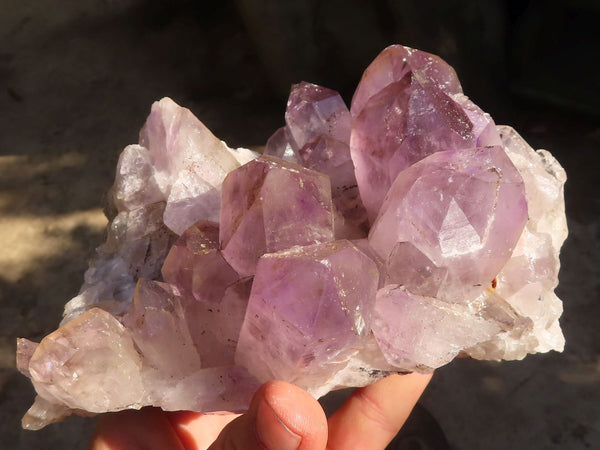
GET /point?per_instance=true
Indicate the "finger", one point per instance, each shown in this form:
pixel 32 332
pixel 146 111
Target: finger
pixel 373 415
pixel 281 417
pixel 198 431
pixel 147 428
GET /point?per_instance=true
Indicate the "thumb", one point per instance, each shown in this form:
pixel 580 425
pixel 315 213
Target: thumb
pixel 281 417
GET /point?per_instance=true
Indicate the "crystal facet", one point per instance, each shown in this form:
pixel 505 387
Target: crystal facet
pixel 272 205
pixel 308 313
pixel 422 333
pixel 463 211
pixel 195 264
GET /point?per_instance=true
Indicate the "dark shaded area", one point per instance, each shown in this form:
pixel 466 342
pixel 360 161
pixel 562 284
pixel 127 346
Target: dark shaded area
pixel 77 81
pixel 420 432
pixel 31 308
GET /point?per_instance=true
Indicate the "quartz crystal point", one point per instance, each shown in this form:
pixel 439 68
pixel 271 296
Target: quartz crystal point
pixel 409 104
pixel 82 365
pixel 309 312
pixel 160 331
pixel 272 205
pixel 278 145
pixel 314 111
pixel 222 270
pixel 215 326
pixel 317 136
pixel 450 223
pixel 190 179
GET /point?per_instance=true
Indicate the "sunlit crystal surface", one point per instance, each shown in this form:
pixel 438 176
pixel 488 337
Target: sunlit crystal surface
pixel 190 179
pixel 314 111
pixel 463 211
pixel 408 105
pixel 82 364
pixel 159 329
pixel 195 265
pixel 387 238
pixel 272 205
pixel 421 332
pixel 287 337
pixel 317 136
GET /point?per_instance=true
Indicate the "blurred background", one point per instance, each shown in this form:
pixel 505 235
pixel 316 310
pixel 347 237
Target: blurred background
pixel 78 77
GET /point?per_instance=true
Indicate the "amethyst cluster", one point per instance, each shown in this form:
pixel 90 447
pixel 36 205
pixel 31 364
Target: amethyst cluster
pixel 388 237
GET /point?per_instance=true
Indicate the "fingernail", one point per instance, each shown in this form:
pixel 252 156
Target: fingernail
pixel 272 432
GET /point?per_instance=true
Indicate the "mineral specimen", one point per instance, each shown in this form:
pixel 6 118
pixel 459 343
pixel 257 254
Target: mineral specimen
pixel 388 237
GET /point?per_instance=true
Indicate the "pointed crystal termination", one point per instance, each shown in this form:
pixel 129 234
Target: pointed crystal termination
pixel 183 342
pixel 135 184
pixel 278 145
pixel 190 179
pixel 83 364
pixel 196 266
pixel 43 413
pixel 25 350
pixel 314 111
pixel 271 205
pixel 309 313
pixel 166 183
pixel 422 333
pixel 464 211
pixel 408 105
pixel 317 135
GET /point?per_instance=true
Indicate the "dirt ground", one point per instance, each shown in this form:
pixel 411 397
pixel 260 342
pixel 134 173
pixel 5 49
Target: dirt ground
pixel 76 84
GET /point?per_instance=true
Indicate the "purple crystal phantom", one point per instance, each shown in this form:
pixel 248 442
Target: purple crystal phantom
pixel 390 237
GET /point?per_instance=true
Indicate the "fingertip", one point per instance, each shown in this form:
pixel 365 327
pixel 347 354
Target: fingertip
pixel 298 411
pixel 374 414
pixel 281 416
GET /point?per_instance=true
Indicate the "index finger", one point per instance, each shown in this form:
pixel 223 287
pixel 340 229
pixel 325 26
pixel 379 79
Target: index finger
pixel 373 415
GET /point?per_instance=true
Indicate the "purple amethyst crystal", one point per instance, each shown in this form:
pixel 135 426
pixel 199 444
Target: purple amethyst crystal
pixel 195 265
pixel 408 105
pixel 222 270
pixel 309 311
pixel 461 214
pixel 272 205
pixel 317 136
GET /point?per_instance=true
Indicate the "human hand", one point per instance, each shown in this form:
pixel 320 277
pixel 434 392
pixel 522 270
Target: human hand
pixel 281 416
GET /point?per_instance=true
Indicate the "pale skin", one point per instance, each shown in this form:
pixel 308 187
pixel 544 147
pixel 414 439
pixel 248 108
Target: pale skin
pixel 281 416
